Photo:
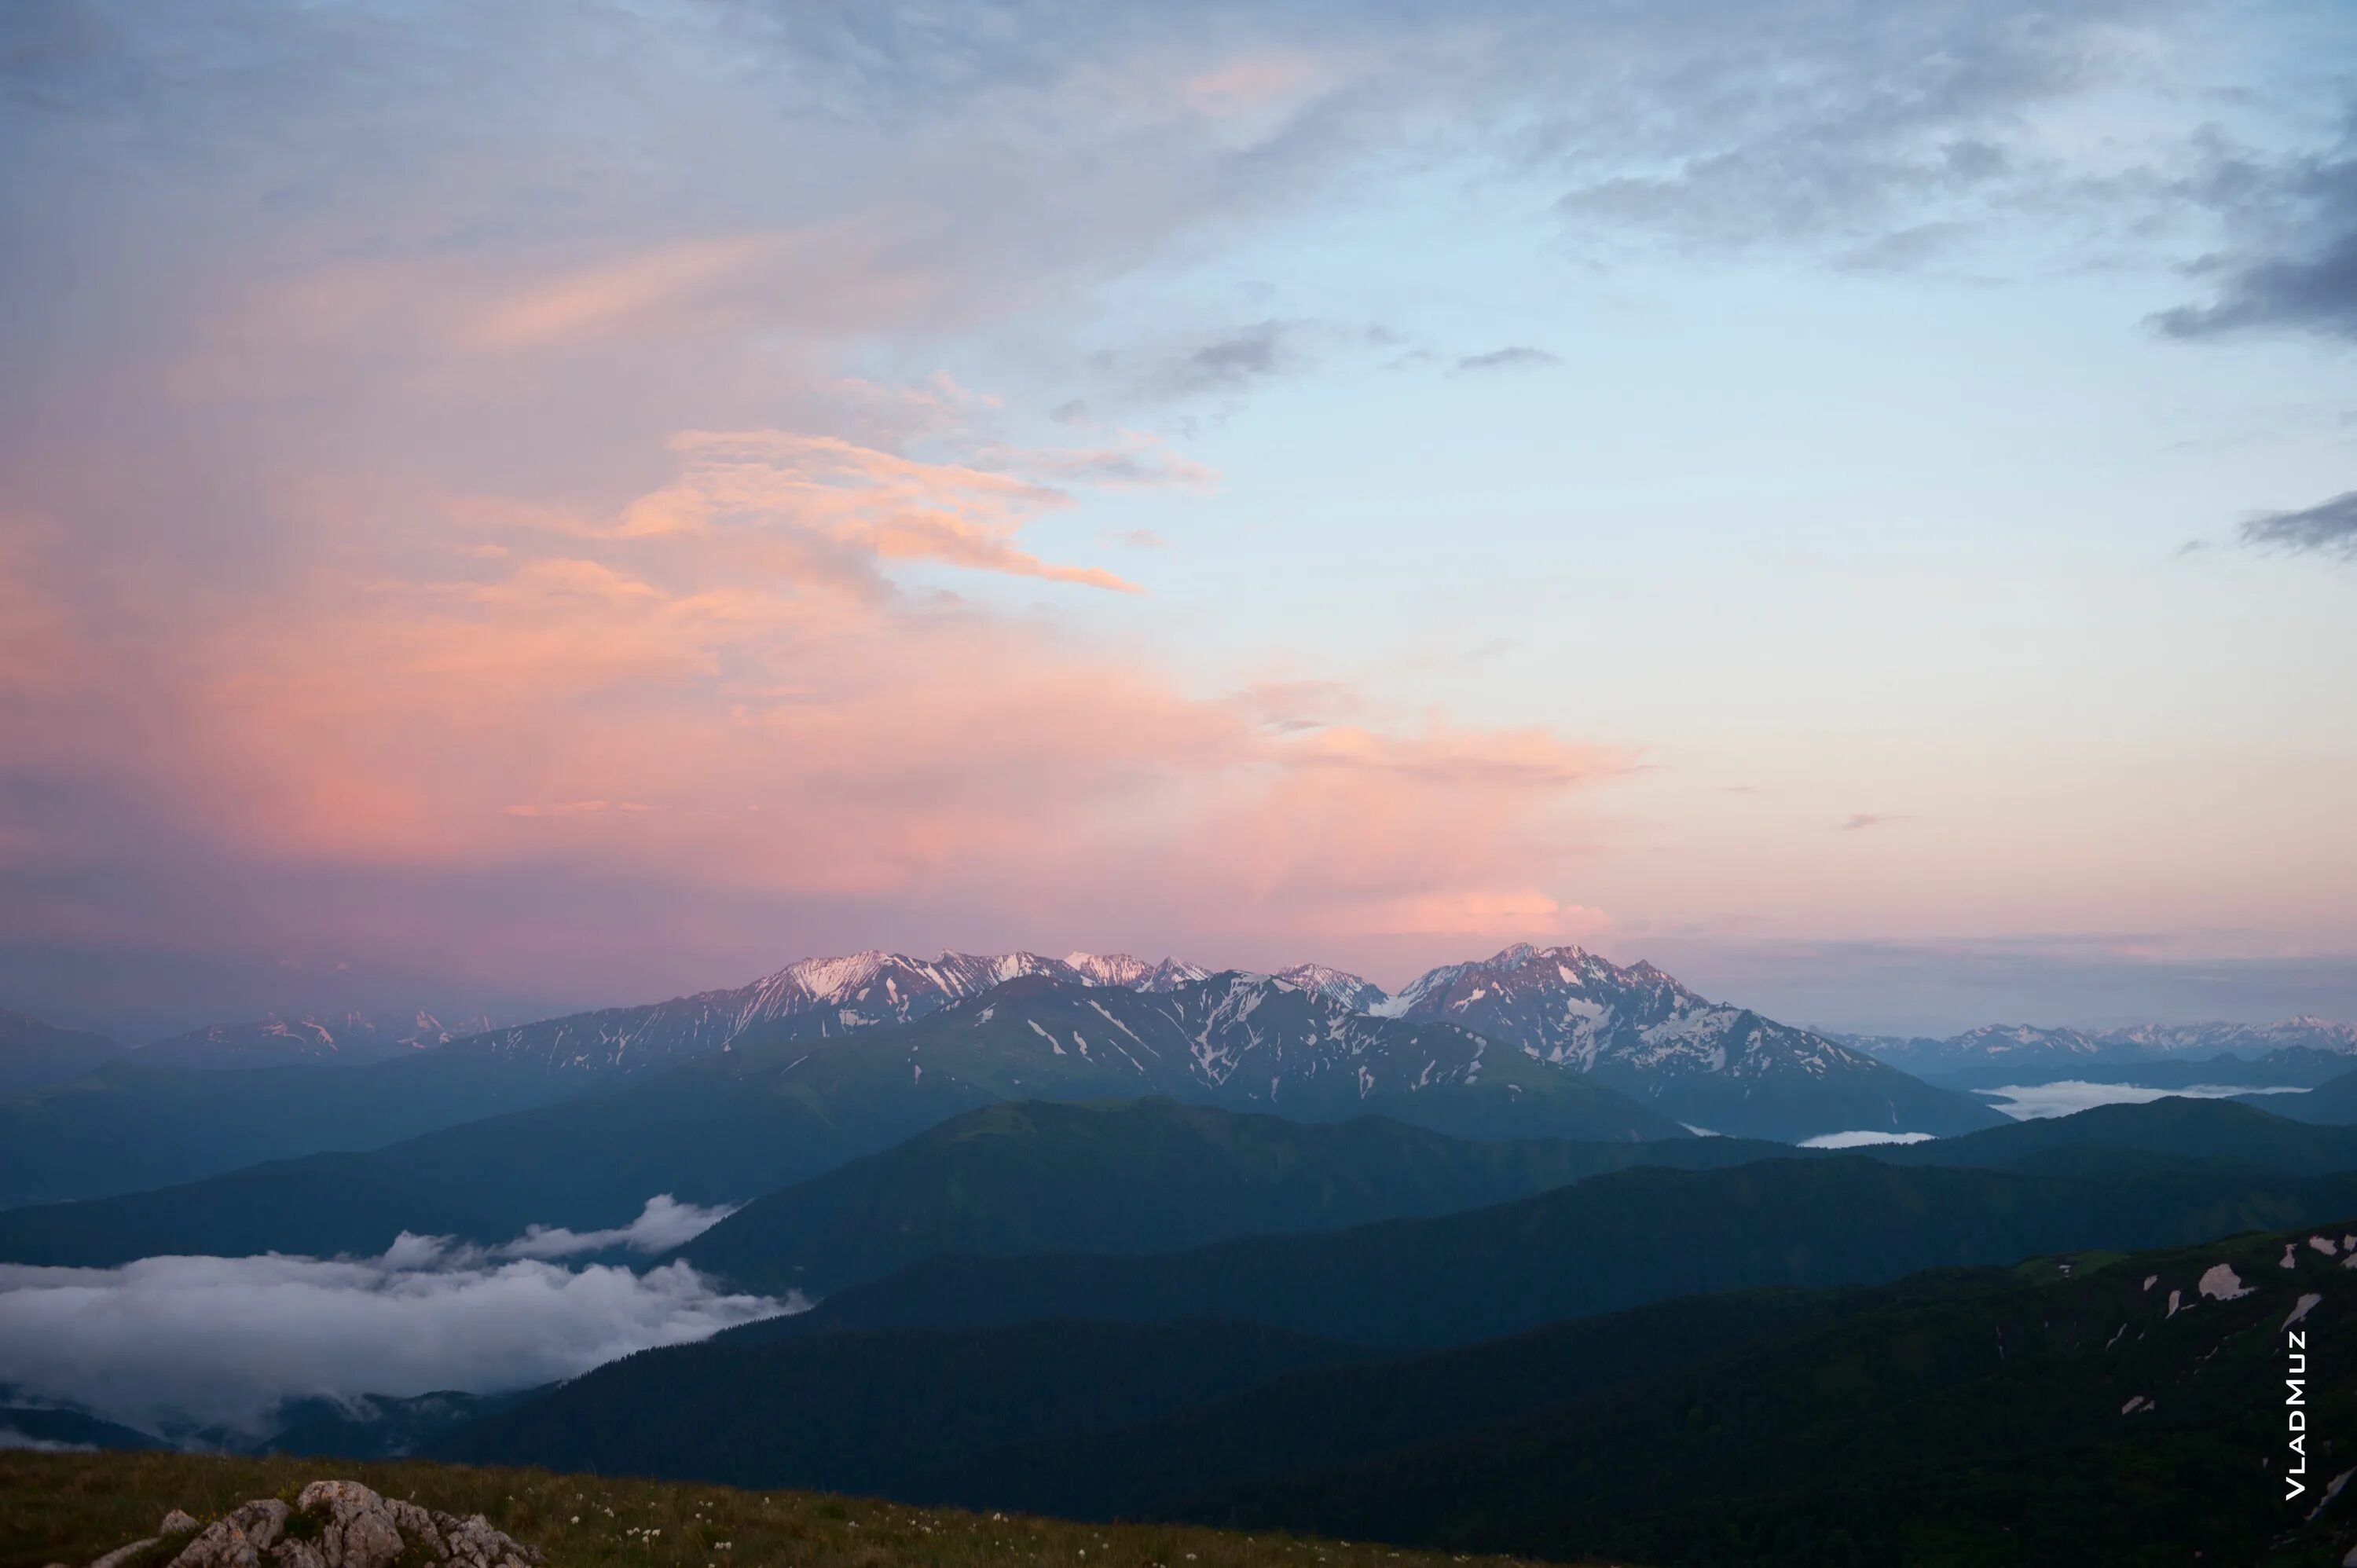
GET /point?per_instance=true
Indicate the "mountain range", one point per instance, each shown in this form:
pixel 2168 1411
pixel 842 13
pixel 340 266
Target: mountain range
pixel 34 1054
pixel 776 1108
pixel 1135 1177
pixel 1604 1053
pixel 816 999
pixel 2030 1054
pixel 351 1039
pixel 1635 1030
pixel 1154 1176
pixel 1678 1349
pixel 1713 1067
pixel 1599 1246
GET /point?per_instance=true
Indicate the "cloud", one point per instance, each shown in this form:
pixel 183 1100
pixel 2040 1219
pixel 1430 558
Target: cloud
pixel 180 1345
pixel 574 808
pixel 1511 358
pixel 1223 363
pixel 2328 527
pixel 1859 821
pixel 1483 913
pixel 664 1223
pixel 12 1438
pixel 2069 1097
pixel 819 499
pixel 482 458
pixel 681 734
pixel 598 299
pixel 1862 1140
pixel 2302 276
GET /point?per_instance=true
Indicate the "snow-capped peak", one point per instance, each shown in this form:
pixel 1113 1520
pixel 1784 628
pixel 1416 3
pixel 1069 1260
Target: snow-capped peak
pixel 1133 973
pixel 1109 968
pixel 1353 992
pixel 830 979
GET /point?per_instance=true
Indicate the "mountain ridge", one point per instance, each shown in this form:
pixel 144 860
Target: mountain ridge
pixel 1709 1065
pixel 1599 1246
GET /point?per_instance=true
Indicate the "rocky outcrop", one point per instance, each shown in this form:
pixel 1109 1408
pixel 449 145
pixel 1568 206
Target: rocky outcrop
pixel 333 1524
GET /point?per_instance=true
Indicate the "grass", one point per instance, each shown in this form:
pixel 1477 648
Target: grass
pixel 70 1507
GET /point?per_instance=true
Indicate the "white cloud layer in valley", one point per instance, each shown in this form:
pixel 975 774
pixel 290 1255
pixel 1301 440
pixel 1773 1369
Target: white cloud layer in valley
pixel 181 1345
pixel 1862 1139
pixel 2027 1102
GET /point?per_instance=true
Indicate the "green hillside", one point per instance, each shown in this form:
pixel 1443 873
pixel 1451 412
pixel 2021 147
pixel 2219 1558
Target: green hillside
pixel 2130 1412
pixel 869 1413
pixel 2197 1130
pixel 1051 1412
pixel 1138 1176
pixel 1610 1242
pixel 2332 1102
pixel 129 1126
pixel 70 1507
pixel 2097 1408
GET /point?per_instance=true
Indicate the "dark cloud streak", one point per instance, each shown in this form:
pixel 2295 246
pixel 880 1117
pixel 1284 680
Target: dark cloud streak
pixel 2305 279
pixel 1514 356
pixel 2328 527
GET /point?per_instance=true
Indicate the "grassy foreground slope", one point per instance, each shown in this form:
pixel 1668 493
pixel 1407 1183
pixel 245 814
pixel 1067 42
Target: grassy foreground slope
pixel 70 1507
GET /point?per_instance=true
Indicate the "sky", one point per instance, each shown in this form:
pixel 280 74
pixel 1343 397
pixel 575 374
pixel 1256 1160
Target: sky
pixel 542 506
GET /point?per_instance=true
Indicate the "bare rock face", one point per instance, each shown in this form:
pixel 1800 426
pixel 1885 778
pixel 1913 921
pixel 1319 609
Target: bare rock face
pixel 335 1524
pixel 238 1538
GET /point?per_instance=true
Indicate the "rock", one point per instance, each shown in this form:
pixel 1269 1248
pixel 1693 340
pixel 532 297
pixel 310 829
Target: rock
pixel 237 1539
pixel 365 1530
pixel 346 1525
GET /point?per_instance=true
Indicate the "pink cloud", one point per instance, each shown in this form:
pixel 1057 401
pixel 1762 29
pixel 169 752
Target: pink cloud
pixel 716 689
pixel 588 301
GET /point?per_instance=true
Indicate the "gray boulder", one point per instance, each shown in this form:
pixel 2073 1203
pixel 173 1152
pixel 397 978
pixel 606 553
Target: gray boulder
pixel 334 1524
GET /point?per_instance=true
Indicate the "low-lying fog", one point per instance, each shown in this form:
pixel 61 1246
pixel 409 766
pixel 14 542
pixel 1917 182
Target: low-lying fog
pixel 2026 1102
pixel 179 1345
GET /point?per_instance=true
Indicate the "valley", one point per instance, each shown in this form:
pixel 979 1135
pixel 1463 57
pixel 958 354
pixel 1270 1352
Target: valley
pixel 1100 1238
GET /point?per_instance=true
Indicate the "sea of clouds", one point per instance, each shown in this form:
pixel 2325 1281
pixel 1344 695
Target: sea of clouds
pixel 1862 1140
pixel 184 1346
pixel 2026 1103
